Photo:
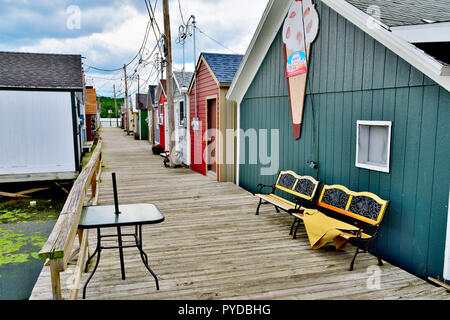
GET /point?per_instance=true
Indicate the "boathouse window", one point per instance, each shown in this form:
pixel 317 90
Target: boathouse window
pixel 373 145
pixel 182 114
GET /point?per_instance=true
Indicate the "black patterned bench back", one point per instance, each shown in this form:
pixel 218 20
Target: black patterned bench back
pixel 363 206
pixel 304 187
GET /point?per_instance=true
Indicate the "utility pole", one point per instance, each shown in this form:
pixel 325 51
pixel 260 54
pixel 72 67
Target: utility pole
pixel 195 67
pixel 168 42
pixel 127 125
pixel 115 105
pixel 138 106
pixel 162 68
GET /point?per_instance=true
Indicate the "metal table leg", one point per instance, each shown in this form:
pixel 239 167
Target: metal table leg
pixel 122 263
pixel 144 257
pixel 89 260
pixel 98 250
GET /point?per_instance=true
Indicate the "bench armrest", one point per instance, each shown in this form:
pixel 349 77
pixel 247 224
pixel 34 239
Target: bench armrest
pixel 364 227
pixel 299 210
pixel 262 186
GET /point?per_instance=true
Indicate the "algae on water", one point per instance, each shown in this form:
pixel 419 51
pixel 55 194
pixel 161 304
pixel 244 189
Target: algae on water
pixel 21 211
pixel 21 238
pixel 18 247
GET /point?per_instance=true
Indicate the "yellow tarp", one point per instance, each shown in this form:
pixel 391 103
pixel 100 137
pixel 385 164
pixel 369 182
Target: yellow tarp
pixel 322 229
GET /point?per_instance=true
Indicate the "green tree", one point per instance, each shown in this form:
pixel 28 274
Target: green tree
pixel 108 104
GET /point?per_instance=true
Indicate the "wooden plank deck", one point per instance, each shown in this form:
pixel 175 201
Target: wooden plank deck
pixel 212 246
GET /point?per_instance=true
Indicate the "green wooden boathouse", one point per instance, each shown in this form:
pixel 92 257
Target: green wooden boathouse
pixel 361 68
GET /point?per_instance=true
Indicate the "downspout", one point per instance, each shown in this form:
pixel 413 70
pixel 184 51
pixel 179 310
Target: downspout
pixel 238 143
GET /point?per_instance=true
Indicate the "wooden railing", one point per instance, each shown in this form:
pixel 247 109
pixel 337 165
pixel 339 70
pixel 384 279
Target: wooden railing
pixel 58 248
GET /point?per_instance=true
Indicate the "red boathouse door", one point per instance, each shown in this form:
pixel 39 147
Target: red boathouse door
pixel 211 145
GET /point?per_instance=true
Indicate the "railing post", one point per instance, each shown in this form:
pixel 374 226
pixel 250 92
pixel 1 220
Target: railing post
pixel 94 184
pixel 55 279
pixel 58 246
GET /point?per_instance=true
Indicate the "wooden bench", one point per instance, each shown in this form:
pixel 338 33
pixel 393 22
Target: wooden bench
pixel 88 145
pixel 303 188
pixel 365 210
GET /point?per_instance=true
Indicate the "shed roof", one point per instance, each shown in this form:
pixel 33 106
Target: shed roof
pixel 40 71
pixel 396 13
pixel 183 79
pixel 160 90
pixel 152 92
pixel 224 66
pixel 141 101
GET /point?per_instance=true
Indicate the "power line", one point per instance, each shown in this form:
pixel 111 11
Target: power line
pixel 151 14
pixel 144 59
pixel 139 64
pixel 144 42
pixel 144 84
pixel 181 13
pixel 101 78
pixel 222 45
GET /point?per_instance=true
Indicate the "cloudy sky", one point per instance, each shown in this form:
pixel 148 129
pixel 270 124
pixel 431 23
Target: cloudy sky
pixel 109 33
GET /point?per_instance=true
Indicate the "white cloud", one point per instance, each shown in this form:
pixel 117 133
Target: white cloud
pixel 118 39
pixel 230 22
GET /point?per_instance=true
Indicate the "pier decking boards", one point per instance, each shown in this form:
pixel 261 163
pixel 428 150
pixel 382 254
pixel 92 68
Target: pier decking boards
pixel 212 246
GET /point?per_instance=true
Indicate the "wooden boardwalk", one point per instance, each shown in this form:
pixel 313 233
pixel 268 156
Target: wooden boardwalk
pixel 212 246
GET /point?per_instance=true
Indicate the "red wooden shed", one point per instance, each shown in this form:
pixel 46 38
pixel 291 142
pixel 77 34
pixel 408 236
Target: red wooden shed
pixel 211 115
pixel 160 115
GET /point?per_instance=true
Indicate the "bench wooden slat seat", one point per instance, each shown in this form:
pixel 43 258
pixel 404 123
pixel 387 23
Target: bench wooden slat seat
pixel 364 209
pixel 304 190
pixel 277 201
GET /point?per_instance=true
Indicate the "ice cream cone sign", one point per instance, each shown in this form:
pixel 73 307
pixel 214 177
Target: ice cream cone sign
pixel 299 31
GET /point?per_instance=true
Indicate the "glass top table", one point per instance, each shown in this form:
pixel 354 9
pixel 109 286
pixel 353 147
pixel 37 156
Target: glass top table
pixel 137 215
pixel 131 214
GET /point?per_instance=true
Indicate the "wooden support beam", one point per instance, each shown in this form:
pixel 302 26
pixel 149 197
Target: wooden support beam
pixel 32 191
pixel 21 194
pixel 34 177
pixel 13 195
pixel 62 188
pixel 76 282
pixel 55 279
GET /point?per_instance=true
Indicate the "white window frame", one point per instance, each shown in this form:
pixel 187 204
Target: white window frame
pixel 181 120
pixel 369 166
pixel 161 115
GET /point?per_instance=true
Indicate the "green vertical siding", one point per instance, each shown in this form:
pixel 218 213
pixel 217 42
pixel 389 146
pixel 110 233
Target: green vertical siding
pixel 353 77
pixel 144 124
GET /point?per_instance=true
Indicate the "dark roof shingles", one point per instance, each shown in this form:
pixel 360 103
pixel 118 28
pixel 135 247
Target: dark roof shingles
pixel 224 66
pixel 141 101
pixel 187 78
pixel 41 71
pixel 396 13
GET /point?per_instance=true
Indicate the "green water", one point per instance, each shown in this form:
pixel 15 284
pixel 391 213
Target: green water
pixel 23 231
